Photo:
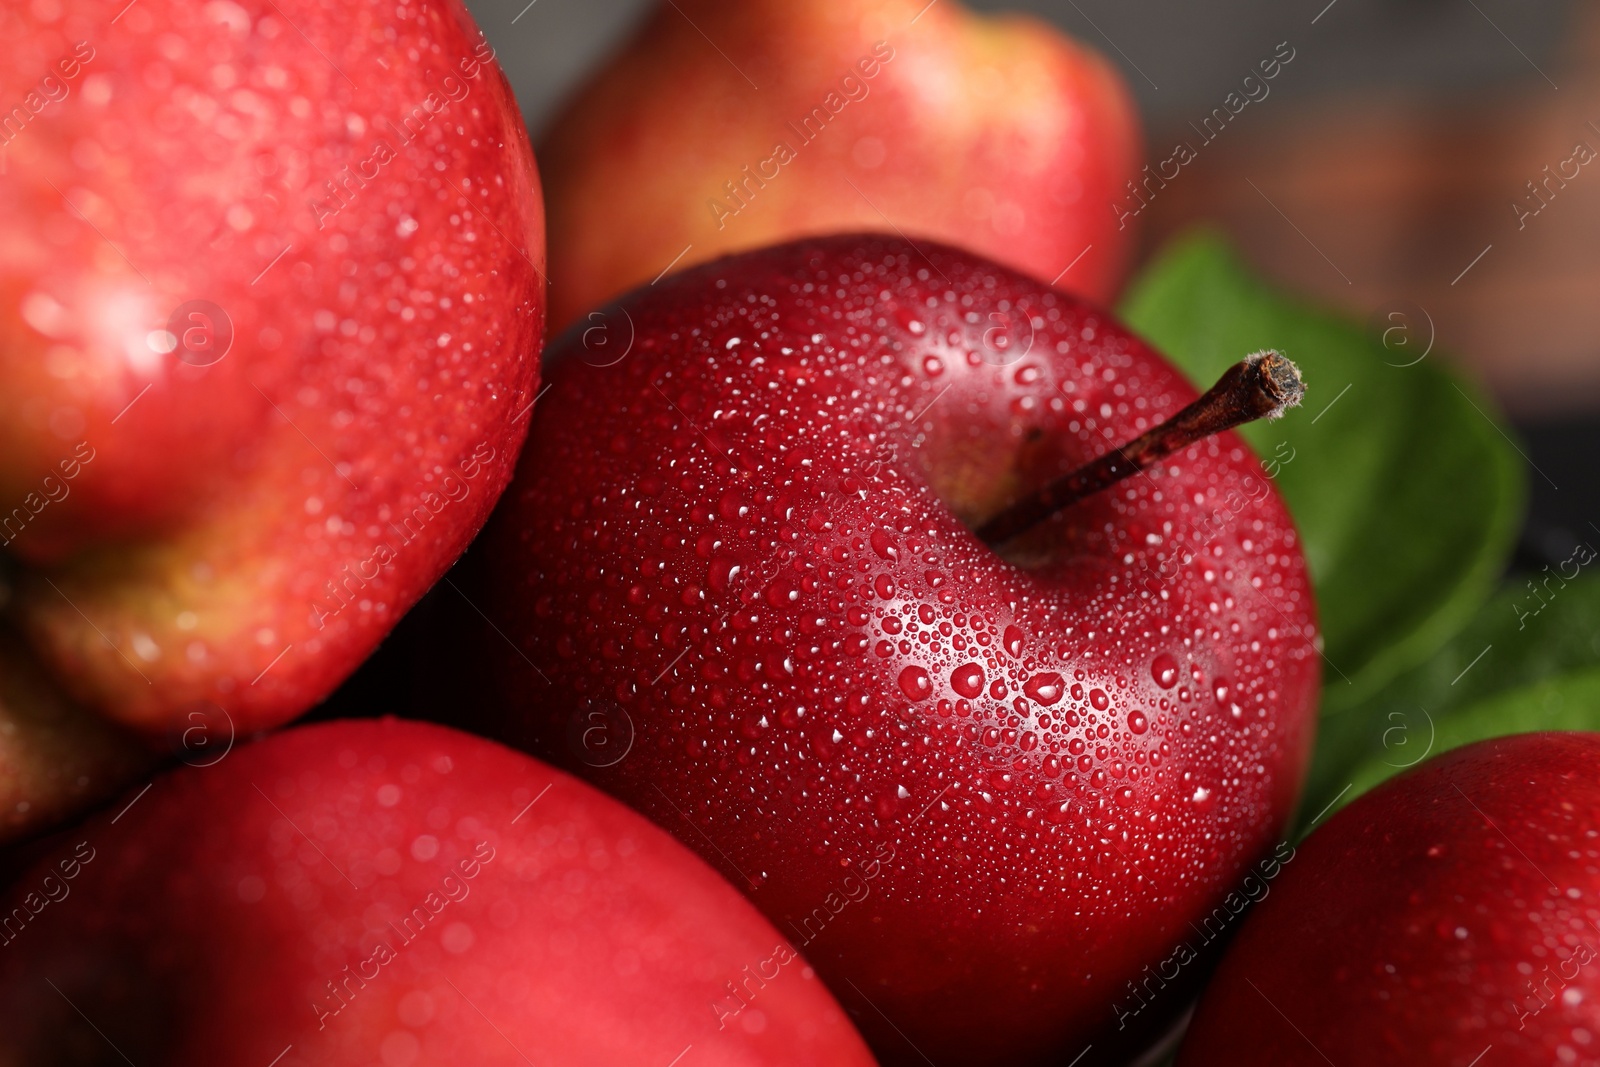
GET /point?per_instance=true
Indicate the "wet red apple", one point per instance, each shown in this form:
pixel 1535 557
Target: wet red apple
pixel 722 127
pixel 1450 916
pixel 385 892
pixel 736 583
pixel 270 311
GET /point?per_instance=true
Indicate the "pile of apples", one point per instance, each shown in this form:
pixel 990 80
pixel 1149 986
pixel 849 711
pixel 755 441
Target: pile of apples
pixel 831 559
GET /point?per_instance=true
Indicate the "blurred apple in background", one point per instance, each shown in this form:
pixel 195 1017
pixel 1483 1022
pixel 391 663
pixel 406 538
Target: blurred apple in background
pixel 740 554
pixel 270 308
pixel 726 126
pixel 396 893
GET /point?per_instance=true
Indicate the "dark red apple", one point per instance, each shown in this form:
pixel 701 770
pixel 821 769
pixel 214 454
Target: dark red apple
pixel 270 310
pixel 385 892
pixel 741 541
pixel 1450 916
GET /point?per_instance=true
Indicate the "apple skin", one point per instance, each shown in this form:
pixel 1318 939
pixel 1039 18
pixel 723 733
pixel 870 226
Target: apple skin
pixel 1451 909
pixel 739 541
pixel 995 134
pixel 204 926
pixel 234 523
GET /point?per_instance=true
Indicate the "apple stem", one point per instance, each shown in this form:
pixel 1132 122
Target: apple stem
pixel 1262 385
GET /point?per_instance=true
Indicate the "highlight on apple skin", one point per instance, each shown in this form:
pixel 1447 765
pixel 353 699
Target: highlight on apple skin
pixel 739 550
pixel 995 133
pixel 271 304
pixel 1450 911
pixel 391 892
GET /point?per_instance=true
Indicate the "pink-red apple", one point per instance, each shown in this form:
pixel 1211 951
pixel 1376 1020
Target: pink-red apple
pixel 741 553
pixel 270 310
pixel 1450 916
pixel 385 892
pixel 724 126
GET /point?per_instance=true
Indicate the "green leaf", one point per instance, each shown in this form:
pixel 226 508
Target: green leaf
pixel 1507 671
pixel 1406 491
pixel 1567 702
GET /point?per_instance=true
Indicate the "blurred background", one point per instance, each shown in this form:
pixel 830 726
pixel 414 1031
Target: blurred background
pixel 1393 153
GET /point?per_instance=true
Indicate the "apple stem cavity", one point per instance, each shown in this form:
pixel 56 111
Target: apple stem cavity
pixel 1262 385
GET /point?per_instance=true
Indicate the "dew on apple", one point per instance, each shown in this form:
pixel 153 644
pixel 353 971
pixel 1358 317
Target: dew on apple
pixel 1164 668
pixel 1045 688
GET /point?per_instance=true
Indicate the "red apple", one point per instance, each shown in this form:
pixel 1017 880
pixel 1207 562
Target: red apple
pixel 397 893
pixel 745 545
pixel 1450 916
pixel 723 127
pixel 270 310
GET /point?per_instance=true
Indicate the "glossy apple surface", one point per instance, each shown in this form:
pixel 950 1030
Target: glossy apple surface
pixel 723 127
pixel 386 892
pixel 270 311
pixel 1450 916
pixel 735 584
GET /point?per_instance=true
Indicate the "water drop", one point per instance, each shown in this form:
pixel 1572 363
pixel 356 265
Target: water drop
pixel 722 572
pixel 1165 670
pixel 967 680
pixel 915 683
pixel 1045 688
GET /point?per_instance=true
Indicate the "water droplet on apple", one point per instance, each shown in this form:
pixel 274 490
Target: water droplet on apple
pixel 915 683
pixel 1165 670
pixel 722 572
pixel 1098 699
pixel 1045 688
pixel 782 592
pixel 909 321
pixel 1012 640
pixel 967 680
pixel 884 545
pixel 883 585
pixel 1138 722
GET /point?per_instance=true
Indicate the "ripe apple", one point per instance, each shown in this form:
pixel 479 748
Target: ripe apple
pixel 1449 916
pixel 270 307
pixel 723 127
pixel 397 893
pixel 742 552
